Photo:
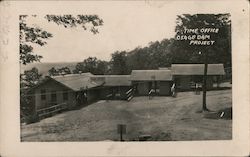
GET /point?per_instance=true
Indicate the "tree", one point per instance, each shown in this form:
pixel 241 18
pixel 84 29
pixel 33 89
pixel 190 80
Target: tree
pixel 53 72
pixel 60 71
pixel 29 79
pixel 137 59
pixel 119 63
pixel 160 54
pixel 93 65
pixel 64 71
pixel 218 53
pixel 30 35
pixel 33 35
pixel 88 65
pixel 156 54
pixel 102 67
pixel 79 20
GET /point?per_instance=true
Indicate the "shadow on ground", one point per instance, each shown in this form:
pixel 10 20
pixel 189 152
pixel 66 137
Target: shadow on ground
pixel 225 113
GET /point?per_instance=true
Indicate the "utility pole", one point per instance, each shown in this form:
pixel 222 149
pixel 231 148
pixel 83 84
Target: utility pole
pixel 204 87
pixel 121 129
pixel 121 135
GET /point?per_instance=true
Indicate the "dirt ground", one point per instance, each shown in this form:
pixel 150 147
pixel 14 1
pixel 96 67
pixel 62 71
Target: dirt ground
pixel 163 118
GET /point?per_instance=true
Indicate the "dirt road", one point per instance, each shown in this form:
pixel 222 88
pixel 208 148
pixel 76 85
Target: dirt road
pixel 163 118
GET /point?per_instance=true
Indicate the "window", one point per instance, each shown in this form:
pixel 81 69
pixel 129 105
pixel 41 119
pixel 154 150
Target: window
pixel 53 96
pixel 43 95
pixel 65 96
pixel 196 79
pixel 178 82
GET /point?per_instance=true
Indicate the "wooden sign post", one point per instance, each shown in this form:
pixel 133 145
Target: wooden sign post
pixel 121 129
pixel 200 37
pixel 204 87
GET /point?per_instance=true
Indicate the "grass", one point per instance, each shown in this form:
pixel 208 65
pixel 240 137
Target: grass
pixel 161 118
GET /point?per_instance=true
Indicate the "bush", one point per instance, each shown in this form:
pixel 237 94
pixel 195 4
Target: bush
pixel 31 119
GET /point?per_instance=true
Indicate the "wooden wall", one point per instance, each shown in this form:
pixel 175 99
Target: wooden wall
pixel 50 87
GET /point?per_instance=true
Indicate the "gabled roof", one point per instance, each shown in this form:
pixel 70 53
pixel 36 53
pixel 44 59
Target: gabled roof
pixel 114 80
pixel 164 68
pixel 197 69
pixel 77 82
pixel 149 75
pixel 88 74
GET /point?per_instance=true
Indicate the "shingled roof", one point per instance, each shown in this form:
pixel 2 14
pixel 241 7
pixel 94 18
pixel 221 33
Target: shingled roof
pixel 149 75
pixel 114 80
pixel 77 82
pixel 197 69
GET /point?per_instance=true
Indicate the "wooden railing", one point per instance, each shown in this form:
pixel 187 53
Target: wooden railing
pixel 109 96
pixel 49 111
pixel 150 94
pixel 129 94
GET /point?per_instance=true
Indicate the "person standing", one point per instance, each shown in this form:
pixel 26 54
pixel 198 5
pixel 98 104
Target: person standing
pixel 85 97
pixel 173 90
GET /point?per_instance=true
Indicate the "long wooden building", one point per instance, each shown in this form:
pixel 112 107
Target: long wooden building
pixel 82 89
pixel 144 81
pixel 186 75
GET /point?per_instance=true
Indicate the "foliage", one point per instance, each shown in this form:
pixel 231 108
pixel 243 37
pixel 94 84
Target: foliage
pixel 156 55
pixel 33 35
pixel 119 63
pixel 60 71
pixel 103 67
pixel 81 20
pixel 164 53
pixel 29 79
pixel 30 35
pixel 218 53
pixel 93 65
pixel 53 72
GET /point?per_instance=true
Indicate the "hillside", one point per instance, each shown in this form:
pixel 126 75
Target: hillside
pixel 163 118
pixel 44 67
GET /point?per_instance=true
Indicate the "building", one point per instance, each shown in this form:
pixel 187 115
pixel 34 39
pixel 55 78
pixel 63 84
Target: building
pixel 114 87
pixel 82 89
pixel 77 89
pixel 186 75
pixel 144 81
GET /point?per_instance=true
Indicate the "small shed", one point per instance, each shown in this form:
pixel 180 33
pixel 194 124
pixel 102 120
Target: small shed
pixel 159 81
pixel 186 75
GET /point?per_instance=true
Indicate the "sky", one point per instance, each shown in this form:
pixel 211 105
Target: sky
pixel 127 25
pixel 124 28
